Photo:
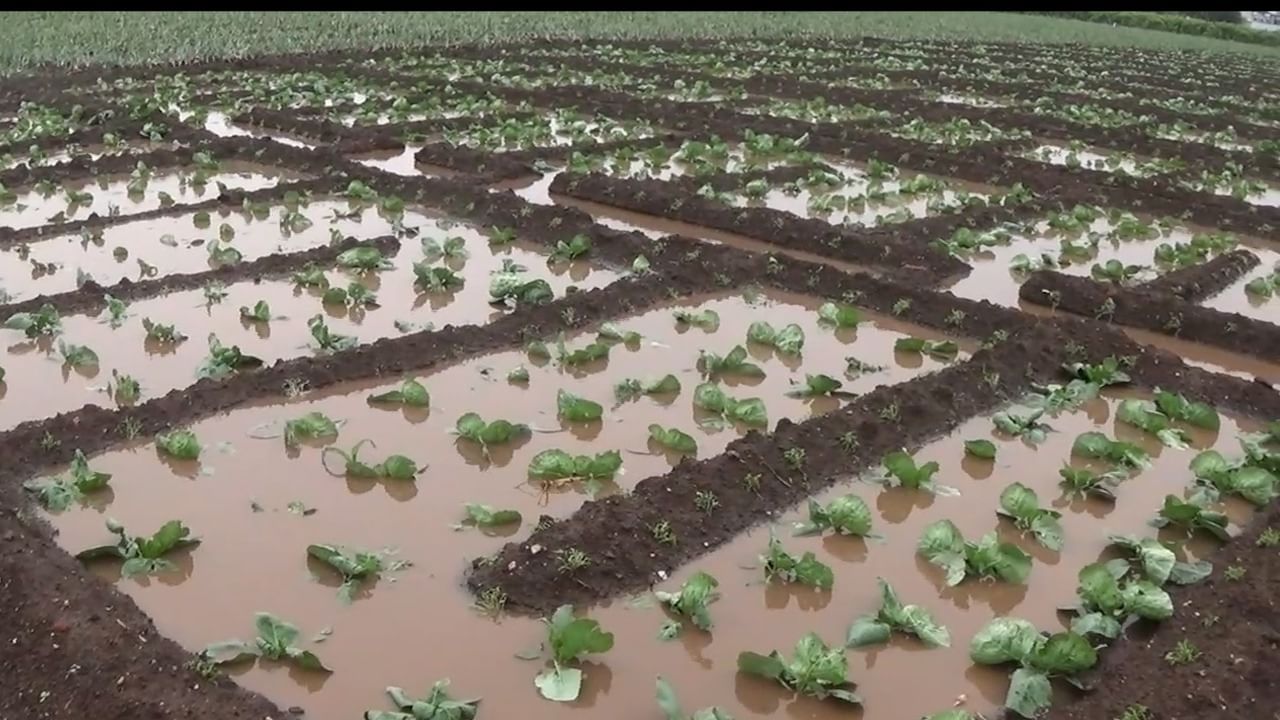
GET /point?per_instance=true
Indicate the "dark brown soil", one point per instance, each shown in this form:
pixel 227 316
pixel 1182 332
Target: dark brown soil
pixel 75 647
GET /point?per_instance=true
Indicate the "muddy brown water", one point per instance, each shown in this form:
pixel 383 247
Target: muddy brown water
pixel 32 209
pixel 219 124
pixel 401 162
pixel 537 190
pixel 37 384
pixel 184 250
pixel 991 278
pixel 1235 299
pixel 416 626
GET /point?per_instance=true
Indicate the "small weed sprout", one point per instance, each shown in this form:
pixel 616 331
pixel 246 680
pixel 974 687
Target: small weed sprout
pixel 794 457
pixel 203 667
pixel 955 318
pixel 1106 310
pixel 992 379
pixel 569 316
pixel 1184 653
pixel 1055 298
pixel 848 442
pixel 572 560
pixel 1210 620
pixel 1234 573
pixel 722 280
pixel 49 442
pixel 890 412
pixel 1174 323
pixel 491 601
pixel 131 428
pixel 544 523
pixel 1074 350
pixel 663 533
pixel 900 306
pixel 1269 538
pixel 295 387
pixel 751 481
pixel 773 266
pixel 1135 712
pixel 706 501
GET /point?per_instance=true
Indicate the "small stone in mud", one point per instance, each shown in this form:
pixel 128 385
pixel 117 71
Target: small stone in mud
pixel 60 625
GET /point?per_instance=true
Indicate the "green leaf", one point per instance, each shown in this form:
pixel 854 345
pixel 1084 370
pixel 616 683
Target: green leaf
pixel 903 467
pixel 768 666
pixel 364 257
pixel 941 349
pixel 867 630
pixel 789 340
pixel 572 637
pixel 1096 445
pixel 1004 639
pixel 172 535
pixel 980 448
pixel 847 515
pixel 77 356
pixel 990 557
pixel 815 386
pixel 181 444
pixel 560 465
pixel 274 635
pixel 1030 693
pixel 312 426
pixel 611 332
pixel 807 570
pixel 1064 653
pixel 839 315
pixel 673 439
pixel 1194 413
pixel 1096 623
pixel 487 516
pixel 734 363
pixel 708 320
pixel 693 598
pixel 575 409
pixel 944 546
pixel 411 394
pixel 261 312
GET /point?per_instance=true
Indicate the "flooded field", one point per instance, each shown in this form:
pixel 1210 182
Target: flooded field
pixel 857 332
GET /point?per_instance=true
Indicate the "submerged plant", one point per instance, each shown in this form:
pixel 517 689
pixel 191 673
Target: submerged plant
pixel 355 566
pixel 944 350
pixel 692 599
pixel 326 340
pixel 560 465
pixel 181 444
pixel 395 467
pixel 806 570
pixel 670 706
pixel 944 546
pixel 60 493
pixel 631 388
pixel 847 515
pixel 1096 445
pixel 789 340
pixel 1192 515
pixel 734 363
pixel 1039 658
pixel 1020 504
pixel 44 321
pixel 275 641
pixel 893 615
pixel 750 411
pixel 143 555
pixel 569 638
pixel 437 705
pixel 411 393
pixel 223 360
pixel 815 670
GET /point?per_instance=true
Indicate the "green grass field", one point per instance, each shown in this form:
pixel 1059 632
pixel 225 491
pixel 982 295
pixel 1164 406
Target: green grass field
pixel 35 38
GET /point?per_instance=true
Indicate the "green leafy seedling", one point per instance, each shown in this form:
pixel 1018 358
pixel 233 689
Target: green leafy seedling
pixel 570 638
pixel 143 555
pixel 893 615
pixel 275 641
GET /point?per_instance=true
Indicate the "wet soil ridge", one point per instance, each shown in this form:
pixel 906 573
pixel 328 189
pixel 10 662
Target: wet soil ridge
pixel 91 297
pixel 1204 280
pixel 1158 311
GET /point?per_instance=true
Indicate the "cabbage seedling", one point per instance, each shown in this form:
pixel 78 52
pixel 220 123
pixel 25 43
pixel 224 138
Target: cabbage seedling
pixel 275 641
pixel 577 246
pixel 572 408
pixel 838 315
pixel 436 706
pixel 692 600
pixel 411 394
pixel 1105 373
pixel 364 258
pixel 893 615
pixel 944 546
pixel 708 320
pixel 632 388
pixel 807 570
pixel 1020 504
pixel 143 555
pixel 1144 414
pixel 560 465
pixel 180 444
pixel 77 356
pixel 1079 482
pixel 1039 657
pixel 570 638
pixel 847 515
pixel 735 363
pixel 815 670
pixel 223 360
pixel 161 333
pixel 709 397
pixel 499 432
pixel 789 340
pixel 1096 445
pixel 327 340
pixel 673 439
pixel 395 467
pixel 944 350
pixel 1216 475
pixel 59 493
pixel 1158 563
pixel 355 566
pixel 1106 606
pixel 1027 427
pixel 437 279
pixel 1192 515
pixel 44 321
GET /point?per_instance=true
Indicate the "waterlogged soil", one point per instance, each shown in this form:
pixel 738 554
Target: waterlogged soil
pixel 993 279
pixel 538 191
pixel 37 384
pixel 237 498
pixel 1235 299
pixel 177 245
pixel 219 124
pixel 32 208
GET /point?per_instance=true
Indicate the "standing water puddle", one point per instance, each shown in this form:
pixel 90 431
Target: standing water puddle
pixel 251 540
pixel 37 384
pixel 119 195
pixel 181 244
